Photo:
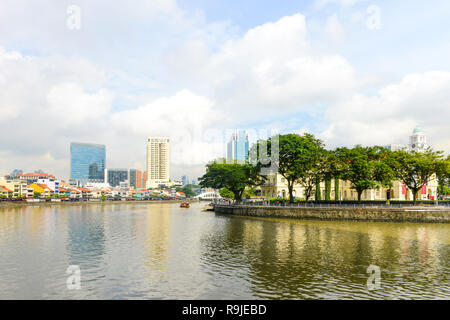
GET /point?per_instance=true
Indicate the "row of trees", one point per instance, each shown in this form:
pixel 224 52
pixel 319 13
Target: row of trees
pixel 303 159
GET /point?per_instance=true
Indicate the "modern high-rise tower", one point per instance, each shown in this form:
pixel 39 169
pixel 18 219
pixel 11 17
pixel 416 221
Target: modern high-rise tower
pixel 87 162
pixel 237 147
pixel 158 161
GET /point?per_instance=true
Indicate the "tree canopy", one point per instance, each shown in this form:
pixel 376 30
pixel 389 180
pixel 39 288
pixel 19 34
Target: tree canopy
pixel 415 169
pixel 233 176
pixel 365 167
pixel 299 155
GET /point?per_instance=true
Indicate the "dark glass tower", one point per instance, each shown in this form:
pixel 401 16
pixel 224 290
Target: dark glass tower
pixel 87 162
pixel 115 176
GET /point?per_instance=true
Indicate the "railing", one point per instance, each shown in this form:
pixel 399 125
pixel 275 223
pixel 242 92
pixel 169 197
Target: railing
pixel 330 205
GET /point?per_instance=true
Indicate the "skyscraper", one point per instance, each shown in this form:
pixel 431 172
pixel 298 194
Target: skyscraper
pixel 135 178
pixel 87 162
pixel 115 176
pixel 237 147
pixel 158 161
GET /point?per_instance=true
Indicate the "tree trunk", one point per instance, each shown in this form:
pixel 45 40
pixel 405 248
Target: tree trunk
pixel 237 196
pixel 336 190
pixel 328 189
pixel 415 191
pixel 359 196
pixel 290 188
pixel 318 191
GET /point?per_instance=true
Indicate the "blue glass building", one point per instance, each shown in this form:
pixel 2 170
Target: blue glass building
pixel 87 162
pixel 237 147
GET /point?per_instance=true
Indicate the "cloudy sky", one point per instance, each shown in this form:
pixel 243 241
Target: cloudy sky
pixel 115 72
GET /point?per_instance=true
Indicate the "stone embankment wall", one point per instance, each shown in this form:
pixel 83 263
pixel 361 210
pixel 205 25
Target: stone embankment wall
pixel 435 215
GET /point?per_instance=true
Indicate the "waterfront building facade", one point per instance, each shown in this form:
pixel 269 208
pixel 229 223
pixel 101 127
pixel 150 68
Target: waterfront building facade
pixel 17 187
pixel 6 192
pixel 34 177
pixel 238 146
pixel 87 162
pixel 158 161
pixel 42 189
pixel 53 184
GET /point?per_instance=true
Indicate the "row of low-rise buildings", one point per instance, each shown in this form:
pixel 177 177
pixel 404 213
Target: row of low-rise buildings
pixel 276 187
pixel 16 187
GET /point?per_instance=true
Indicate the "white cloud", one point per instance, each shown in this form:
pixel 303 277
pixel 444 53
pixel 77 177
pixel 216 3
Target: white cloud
pixel 346 3
pixel 389 117
pixel 69 105
pixel 334 28
pixel 45 103
pixel 188 119
pixel 273 69
pixel 189 80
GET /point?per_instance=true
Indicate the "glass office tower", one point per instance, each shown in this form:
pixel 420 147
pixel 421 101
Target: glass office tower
pixel 115 176
pixel 237 147
pixel 87 162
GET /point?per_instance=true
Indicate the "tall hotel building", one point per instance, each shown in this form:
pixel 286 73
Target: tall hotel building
pixel 237 147
pixel 158 161
pixel 87 162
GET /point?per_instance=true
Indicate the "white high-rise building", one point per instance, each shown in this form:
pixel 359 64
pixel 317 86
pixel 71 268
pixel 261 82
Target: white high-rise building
pixel 158 161
pixel 418 140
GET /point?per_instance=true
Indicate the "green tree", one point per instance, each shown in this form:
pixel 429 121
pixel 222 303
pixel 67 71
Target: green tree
pixel 249 192
pixel 365 167
pixel 443 177
pixel 227 194
pixel 328 189
pixel 233 176
pixel 187 189
pixel 415 169
pixel 336 189
pixel 318 191
pixel 36 194
pixel 298 158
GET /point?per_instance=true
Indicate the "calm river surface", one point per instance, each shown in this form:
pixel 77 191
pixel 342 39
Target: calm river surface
pixel 161 251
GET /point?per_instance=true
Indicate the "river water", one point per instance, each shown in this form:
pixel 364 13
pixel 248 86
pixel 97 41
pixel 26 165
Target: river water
pixel 161 251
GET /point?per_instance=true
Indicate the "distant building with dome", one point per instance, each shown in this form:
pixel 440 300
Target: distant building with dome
pixel 418 140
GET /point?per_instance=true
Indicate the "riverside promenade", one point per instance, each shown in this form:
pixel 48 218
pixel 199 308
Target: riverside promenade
pixel 430 214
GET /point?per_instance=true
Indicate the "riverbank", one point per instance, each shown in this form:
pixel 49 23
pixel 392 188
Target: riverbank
pixel 410 214
pixel 74 203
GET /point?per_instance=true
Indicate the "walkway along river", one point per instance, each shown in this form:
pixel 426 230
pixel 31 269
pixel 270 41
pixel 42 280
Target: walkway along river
pixel 386 214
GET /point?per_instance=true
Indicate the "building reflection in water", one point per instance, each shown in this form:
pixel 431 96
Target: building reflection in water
pixel 85 245
pixel 157 222
pixel 288 259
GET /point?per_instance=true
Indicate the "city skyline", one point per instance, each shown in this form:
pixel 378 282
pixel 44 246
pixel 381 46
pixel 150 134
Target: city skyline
pixel 213 67
pixel 417 141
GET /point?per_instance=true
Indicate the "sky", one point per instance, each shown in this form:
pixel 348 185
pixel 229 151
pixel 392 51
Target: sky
pixel 114 73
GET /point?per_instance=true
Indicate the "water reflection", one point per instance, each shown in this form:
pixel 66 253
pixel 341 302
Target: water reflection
pixel 157 241
pixel 157 251
pixel 311 259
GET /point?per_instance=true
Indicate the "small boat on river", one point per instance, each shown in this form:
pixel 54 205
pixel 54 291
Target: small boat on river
pixel 185 205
